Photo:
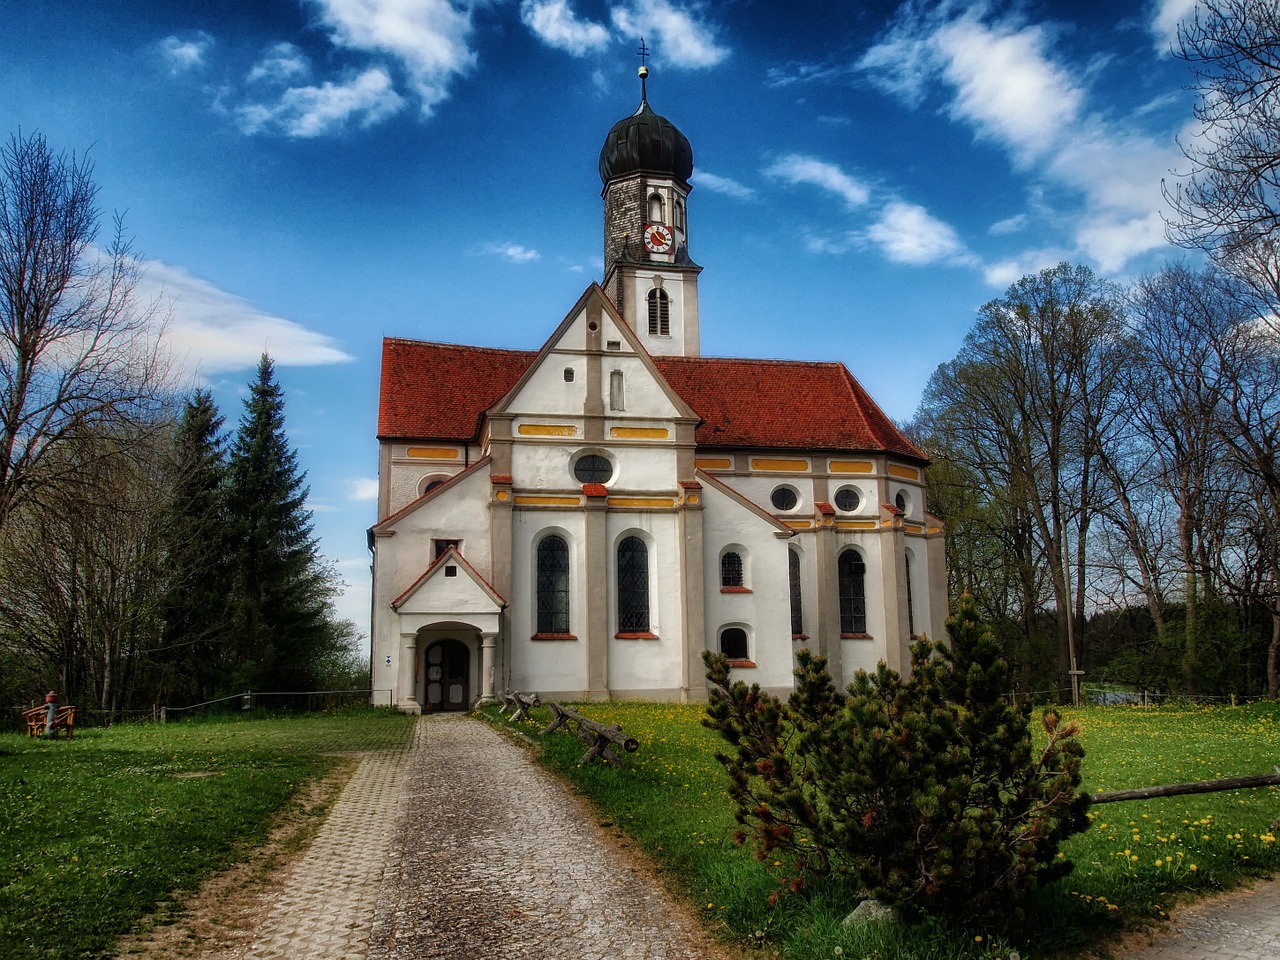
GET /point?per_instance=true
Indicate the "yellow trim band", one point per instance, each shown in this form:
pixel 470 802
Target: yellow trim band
pixel 433 453
pixel 788 466
pixel 851 466
pixel 546 430
pixel 639 433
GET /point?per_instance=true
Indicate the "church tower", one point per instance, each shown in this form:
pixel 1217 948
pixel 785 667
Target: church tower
pixel 645 165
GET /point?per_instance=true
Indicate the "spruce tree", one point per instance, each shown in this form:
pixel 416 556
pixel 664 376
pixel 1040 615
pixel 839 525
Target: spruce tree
pixel 196 609
pixel 282 622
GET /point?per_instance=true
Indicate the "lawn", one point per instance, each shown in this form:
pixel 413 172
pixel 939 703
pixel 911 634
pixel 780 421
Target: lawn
pixel 1136 859
pixel 96 831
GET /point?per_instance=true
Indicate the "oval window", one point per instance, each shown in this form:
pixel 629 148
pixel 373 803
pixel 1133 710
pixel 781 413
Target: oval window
pixel 593 468
pixel 847 499
pixel 784 498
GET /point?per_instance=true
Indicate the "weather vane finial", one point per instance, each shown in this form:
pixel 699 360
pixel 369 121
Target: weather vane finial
pixel 643 52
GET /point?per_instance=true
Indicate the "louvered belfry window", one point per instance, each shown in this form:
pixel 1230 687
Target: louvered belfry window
pixel 553 585
pixel 633 586
pixel 659 313
pixel 852 574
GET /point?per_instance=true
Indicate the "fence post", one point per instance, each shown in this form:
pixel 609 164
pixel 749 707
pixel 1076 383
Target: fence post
pixel 246 701
pixel 164 714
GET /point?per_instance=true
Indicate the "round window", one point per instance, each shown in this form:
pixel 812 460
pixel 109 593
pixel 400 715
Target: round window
pixel 784 498
pixel 847 499
pixel 900 501
pixel 593 468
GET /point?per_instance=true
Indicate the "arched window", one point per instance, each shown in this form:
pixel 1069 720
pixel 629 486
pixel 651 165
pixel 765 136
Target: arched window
pixel 733 643
pixel 793 575
pixel 655 208
pixel 659 313
pixel 911 612
pixel 553 585
pixel 679 216
pixel 852 575
pixel 633 586
pixel 427 484
pixel 731 573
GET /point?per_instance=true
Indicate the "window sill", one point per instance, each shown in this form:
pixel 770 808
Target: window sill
pixel 856 636
pixel 735 589
pixel 553 636
pixel 797 637
pixel 636 635
pixel 742 664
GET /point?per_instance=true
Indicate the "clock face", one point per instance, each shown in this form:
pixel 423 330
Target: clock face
pixel 657 238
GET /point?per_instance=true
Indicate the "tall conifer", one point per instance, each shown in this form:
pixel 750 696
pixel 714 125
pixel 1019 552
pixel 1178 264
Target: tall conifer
pixel 282 621
pixel 196 609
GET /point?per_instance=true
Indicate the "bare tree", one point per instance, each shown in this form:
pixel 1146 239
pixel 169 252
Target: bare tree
pixel 1228 203
pixel 1023 408
pixel 78 353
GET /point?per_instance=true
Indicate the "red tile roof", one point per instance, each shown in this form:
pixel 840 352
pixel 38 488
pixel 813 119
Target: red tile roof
pixel 437 391
pixel 440 391
pixel 783 404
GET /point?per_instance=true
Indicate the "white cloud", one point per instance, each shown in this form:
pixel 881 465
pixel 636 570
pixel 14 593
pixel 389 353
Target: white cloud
pixel 1003 79
pixel 428 38
pixel 798 168
pixel 836 243
pixel 1006 86
pixel 366 488
pixel 1014 224
pixel 726 185
pixel 513 252
pixel 282 64
pixel 1004 273
pixel 183 55
pixel 680 37
pixel 211 331
pixel 1165 17
pixel 556 25
pixel 315 110
pixel 908 233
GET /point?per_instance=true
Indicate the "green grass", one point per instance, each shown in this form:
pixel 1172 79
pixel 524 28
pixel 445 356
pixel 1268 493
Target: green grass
pixel 1136 859
pixel 97 831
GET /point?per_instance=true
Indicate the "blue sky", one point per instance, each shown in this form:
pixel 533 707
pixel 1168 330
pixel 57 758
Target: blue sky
pixel 308 176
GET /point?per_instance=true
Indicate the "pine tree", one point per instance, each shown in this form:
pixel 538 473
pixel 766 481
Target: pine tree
pixel 928 789
pixel 193 654
pixel 282 623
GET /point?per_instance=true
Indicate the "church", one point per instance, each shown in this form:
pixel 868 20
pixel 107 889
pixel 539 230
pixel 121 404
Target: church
pixel 584 520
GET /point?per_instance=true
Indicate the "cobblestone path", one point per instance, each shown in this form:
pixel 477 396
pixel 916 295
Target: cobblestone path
pixel 1244 925
pixel 324 905
pixel 494 858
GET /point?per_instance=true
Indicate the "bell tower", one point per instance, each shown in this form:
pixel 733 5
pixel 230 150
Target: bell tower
pixel 645 165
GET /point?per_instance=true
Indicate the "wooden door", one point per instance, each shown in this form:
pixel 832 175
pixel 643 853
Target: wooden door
pixel 448 682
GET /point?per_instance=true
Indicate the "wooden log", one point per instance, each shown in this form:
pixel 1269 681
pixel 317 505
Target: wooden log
pixel 598 736
pixel 522 703
pixel 559 718
pixel 1185 789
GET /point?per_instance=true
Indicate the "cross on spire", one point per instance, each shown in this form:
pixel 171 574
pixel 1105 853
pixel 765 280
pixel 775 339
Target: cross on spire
pixel 643 53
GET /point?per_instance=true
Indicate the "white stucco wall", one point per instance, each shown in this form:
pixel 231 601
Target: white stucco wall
pixel 765 612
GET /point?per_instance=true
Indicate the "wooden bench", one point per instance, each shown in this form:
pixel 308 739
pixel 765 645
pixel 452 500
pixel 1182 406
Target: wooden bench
pixel 598 736
pixel 63 719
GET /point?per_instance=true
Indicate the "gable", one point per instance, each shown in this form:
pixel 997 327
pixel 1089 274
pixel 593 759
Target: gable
pixel 580 358
pixel 450 586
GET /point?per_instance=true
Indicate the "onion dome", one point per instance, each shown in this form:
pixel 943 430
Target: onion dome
pixel 645 142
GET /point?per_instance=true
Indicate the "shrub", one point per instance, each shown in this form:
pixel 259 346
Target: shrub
pixel 928 789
